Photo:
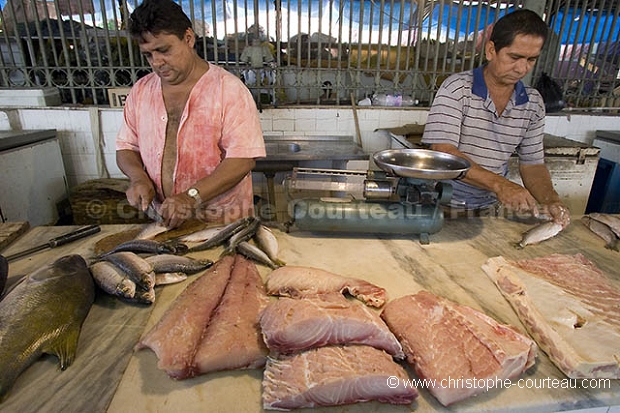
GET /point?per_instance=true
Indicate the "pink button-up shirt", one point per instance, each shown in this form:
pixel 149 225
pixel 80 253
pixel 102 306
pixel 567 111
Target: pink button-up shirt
pixel 219 121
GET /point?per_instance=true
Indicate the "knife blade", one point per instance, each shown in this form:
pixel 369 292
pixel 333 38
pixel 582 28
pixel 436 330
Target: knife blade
pixel 58 241
pixel 153 213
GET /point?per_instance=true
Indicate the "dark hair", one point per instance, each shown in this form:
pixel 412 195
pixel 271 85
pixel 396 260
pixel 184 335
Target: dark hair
pixel 522 21
pixel 158 16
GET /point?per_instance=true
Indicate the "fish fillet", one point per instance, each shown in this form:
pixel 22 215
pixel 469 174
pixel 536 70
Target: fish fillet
pixel 292 281
pixel 175 338
pixel 232 339
pixel 569 306
pixel 293 325
pixel 332 376
pixel 444 340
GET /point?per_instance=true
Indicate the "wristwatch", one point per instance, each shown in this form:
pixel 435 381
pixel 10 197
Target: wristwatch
pixel 193 192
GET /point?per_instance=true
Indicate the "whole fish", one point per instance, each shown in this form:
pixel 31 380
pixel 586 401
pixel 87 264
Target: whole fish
pixel 202 235
pixel 139 270
pixel 612 221
pixel 4 273
pixel 112 279
pixel 44 314
pixel 144 245
pixel 144 296
pixel 221 237
pixel 174 263
pixel 266 241
pixel 602 231
pixel 164 278
pixel 253 252
pixel 539 233
pixel 244 234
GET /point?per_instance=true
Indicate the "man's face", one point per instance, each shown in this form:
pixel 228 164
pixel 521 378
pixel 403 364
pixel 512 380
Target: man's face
pixel 170 57
pixel 510 64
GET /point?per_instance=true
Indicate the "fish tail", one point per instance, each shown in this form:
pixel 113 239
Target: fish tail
pixel 279 262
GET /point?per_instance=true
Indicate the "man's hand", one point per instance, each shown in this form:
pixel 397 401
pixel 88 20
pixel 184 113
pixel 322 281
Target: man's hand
pixel 559 213
pixel 517 198
pixel 140 193
pixel 177 209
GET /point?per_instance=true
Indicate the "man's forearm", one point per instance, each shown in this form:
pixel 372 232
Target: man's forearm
pixel 224 177
pixel 130 163
pixel 537 180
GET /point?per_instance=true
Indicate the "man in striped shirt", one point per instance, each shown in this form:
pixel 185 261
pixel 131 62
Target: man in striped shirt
pixel 487 114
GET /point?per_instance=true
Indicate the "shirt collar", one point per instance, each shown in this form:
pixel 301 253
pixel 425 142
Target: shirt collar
pixel 479 88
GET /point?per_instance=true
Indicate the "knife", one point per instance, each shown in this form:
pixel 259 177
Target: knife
pixel 58 241
pixel 153 212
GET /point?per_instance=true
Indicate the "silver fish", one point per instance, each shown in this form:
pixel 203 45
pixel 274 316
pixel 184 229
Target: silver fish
pixel 139 270
pixel 602 231
pixel 612 221
pixel 540 233
pixel 165 278
pixel 266 241
pixel 151 230
pixel 112 279
pixel 144 245
pixel 221 237
pixel 174 263
pixel 253 252
pixel 244 234
pixel 44 314
pixel 144 296
pixel 202 235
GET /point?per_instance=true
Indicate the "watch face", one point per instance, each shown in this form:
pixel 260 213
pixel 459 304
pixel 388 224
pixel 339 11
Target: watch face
pixel 193 192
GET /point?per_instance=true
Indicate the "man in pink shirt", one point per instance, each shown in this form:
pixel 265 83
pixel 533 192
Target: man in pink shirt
pixel 191 132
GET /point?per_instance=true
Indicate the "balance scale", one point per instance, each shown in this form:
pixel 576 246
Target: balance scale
pixel 403 197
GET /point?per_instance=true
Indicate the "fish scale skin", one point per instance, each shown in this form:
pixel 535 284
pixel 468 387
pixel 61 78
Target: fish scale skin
pixel 44 314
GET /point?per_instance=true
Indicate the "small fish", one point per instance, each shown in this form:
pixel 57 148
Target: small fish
pixel 151 230
pixel 244 234
pixel 256 254
pixel 202 235
pixel 539 233
pixel 602 231
pixel 165 278
pixel 112 279
pixel 221 237
pixel 266 241
pixel 612 221
pixel 139 270
pixel 174 263
pixel 144 245
pixel 144 296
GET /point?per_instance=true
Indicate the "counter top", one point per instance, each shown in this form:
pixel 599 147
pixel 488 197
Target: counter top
pixel 16 139
pixel 107 376
pixel 311 148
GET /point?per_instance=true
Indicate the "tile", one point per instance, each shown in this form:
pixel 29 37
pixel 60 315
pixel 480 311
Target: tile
pixel 308 125
pixel 81 165
pixel 283 124
pixel 76 143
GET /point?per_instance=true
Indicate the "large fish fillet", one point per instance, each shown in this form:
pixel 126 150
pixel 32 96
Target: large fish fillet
pixel 292 325
pixel 292 281
pixel 445 341
pixel 232 339
pixel 570 308
pixel 44 314
pixel 334 375
pixel 175 338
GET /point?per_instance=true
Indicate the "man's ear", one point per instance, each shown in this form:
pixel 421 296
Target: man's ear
pixel 489 50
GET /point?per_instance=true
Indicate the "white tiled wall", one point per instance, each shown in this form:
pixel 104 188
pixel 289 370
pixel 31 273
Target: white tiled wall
pixel 80 138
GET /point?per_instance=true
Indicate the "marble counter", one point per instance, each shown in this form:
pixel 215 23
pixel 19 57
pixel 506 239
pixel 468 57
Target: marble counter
pixel 108 376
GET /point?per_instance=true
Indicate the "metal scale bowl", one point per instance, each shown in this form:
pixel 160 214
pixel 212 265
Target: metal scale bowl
pixel 404 197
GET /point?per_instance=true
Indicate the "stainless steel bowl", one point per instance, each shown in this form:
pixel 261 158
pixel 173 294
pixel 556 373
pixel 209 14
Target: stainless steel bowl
pixel 422 164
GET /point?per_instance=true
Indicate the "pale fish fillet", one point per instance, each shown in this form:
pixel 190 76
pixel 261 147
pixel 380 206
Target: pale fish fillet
pixel 292 325
pixel 151 230
pixel 444 340
pixel 569 306
pixel 175 338
pixel 540 233
pixel 292 281
pixel 202 235
pixel 332 376
pixel 233 340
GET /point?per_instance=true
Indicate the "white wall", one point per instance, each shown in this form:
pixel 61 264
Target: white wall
pixel 82 131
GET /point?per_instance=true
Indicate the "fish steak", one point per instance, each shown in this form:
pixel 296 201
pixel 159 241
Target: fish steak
pixel 43 314
pixel 446 341
pixel 294 281
pixel 332 376
pixel 569 306
pixel 292 325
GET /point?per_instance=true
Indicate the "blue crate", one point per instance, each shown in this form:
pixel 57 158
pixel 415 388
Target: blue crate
pixel 605 192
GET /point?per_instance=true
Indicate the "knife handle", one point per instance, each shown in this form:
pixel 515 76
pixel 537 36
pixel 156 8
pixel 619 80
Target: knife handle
pixel 73 236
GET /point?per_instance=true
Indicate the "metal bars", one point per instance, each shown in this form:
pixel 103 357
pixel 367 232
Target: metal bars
pixel 323 51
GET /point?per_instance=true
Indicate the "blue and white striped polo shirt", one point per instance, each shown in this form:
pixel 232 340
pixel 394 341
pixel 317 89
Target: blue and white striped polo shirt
pixel 464 115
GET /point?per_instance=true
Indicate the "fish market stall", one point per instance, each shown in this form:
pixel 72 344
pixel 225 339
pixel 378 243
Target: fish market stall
pixel 108 375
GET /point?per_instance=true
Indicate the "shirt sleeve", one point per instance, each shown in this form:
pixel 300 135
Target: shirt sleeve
pixel 127 137
pixel 445 117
